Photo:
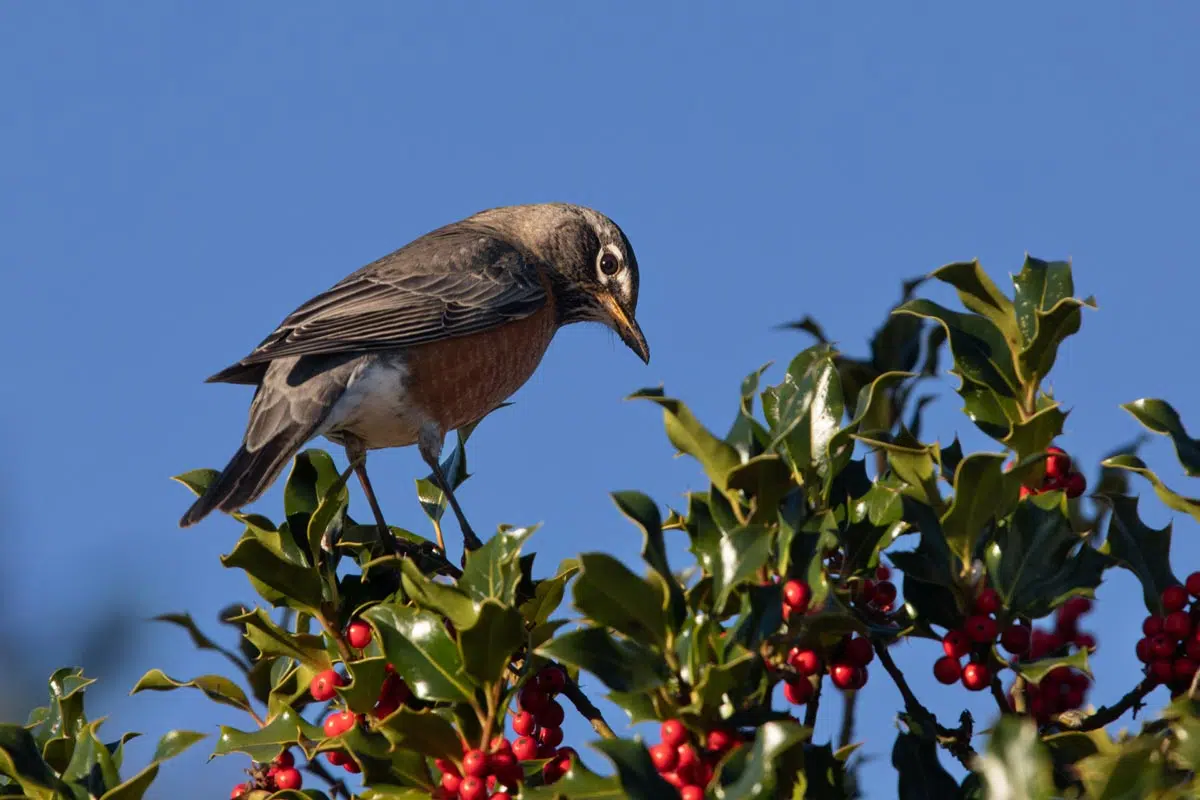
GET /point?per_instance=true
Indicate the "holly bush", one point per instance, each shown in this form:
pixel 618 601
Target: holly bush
pixel 829 532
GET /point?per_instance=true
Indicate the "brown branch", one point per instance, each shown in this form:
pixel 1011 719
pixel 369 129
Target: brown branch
pixel 1106 714
pixel 589 711
pixel 814 704
pixel 956 740
pixel 850 705
pixel 998 693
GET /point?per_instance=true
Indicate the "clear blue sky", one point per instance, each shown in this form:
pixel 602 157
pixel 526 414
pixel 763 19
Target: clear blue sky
pixel 177 177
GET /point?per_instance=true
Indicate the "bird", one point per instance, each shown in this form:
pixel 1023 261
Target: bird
pixel 424 341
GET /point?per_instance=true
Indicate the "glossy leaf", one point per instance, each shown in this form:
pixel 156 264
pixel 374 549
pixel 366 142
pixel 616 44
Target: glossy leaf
pixel 1035 671
pixel 1172 500
pixel 419 647
pixel 451 601
pixel 262 557
pixel 422 731
pixel 621 664
pixel 1142 550
pixel 609 593
pixel 1047 313
pixel 494 570
pixel 980 353
pixel 635 771
pixel 1016 763
pixel 760 775
pixel 489 644
pixel 264 744
pixel 548 594
pixel 579 783
pixel 273 641
pixel 21 760
pixel 980 295
pixel 980 494
pixel 135 788
pixel 365 677
pixel 1160 417
pixel 690 437
pixel 175 742
pixel 216 687
pixel 91 764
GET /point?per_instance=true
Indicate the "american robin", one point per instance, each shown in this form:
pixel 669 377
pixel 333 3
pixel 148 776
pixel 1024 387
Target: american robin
pixel 426 340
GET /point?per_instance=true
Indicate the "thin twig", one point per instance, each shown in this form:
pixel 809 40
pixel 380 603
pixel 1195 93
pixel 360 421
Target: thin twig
pixel 998 693
pixel 956 740
pixel 846 734
pixel 588 709
pixel 814 703
pixel 1107 714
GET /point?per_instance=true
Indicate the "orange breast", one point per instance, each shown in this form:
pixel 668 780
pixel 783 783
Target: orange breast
pixel 460 380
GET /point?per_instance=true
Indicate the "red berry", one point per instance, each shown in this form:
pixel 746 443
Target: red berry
pixel 447 766
pixel 555 769
pixel 1162 670
pixel 859 652
pixel 323 684
pixel 525 748
pixel 358 634
pixel 1015 638
pixel 988 602
pixel 501 796
pixel 1025 491
pixel 689 760
pixel 523 723
pixel 797 595
pixel 551 715
pixel 552 680
pixel 385 707
pixel 475 762
pixel 956 644
pixel 981 629
pixel 1162 646
pixel 847 676
pixel 502 763
pixel 797 692
pixel 664 757
pixel 1152 625
pixel 1174 598
pixel 1192 584
pixel 550 736
pixel 805 662
pixel 1072 699
pixel 947 670
pixel 885 593
pixel 338 723
pixel 1177 625
pixel 285 759
pixel 673 779
pixel 976 677
pixel 288 778
pixel 720 740
pixel 1184 668
pixel 1074 608
pixel 1192 649
pixel 691 792
pixel 240 790
pixel 1085 641
pixel 1075 484
pixel 336 757
pixel 472 788
pixel 673 733
pixel 865 592
pixel 532 699
pixel 883 573
pixel 1058 463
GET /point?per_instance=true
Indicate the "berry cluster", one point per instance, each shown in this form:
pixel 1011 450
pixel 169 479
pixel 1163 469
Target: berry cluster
pixel 538 726
pixel 277 776
pixel 1063 688
pixel 974 640
pixel 684 766
pixel 847 668
pixel 876 598
pixel 1058 476
pixel 1171 646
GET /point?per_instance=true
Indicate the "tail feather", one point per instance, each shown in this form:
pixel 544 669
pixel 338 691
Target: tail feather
pixel 247 475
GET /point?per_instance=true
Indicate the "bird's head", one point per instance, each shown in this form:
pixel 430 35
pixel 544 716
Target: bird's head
pixel 592 264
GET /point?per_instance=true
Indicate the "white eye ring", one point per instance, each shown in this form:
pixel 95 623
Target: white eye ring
pixel 609 263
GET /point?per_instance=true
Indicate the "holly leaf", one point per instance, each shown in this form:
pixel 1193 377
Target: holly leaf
pixel 494 570
pixel 1047 313
pixel 735 557
pixel 1016 763
pixel 273 641
pixel 261 554
pixel 422 731
pixel 216 687
pixel 285 729
pixel 1142 550
pixel 690 437
pixel 429 494
pixel 920 773
pixel 419 647
pixel 451 601
pixel 21 761
pixel 609 593
pixel 488 645
pixel 981 355
pixel 981 492
pixel 175 742
pixel 1160 417
pixel 548 594
pixel 1035 671
pixel 635 771
pixel 622 665
pixel 979 294
pixel 1170 499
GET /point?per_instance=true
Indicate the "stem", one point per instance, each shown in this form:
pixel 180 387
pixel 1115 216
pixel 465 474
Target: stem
pixel 998 693
pixel 343 648
pixel 846 734
pixel 489 721
pixel 1107 714
pixel 589 711
pixel 814 703
pixel 956 740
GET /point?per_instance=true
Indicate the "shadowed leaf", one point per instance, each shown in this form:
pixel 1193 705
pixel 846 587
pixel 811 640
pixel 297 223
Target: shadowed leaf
pixel 1160 417
pixel 622 665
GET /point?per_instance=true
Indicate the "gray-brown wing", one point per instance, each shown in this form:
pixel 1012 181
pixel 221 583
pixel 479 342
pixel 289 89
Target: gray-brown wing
pixel 449 283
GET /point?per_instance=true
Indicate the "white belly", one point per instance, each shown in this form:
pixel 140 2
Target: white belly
pixel 376 407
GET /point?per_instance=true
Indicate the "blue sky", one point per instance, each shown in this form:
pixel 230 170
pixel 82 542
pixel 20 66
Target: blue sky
pixel 178 177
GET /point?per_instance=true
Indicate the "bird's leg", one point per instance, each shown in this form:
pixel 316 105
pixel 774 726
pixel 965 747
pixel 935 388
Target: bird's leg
pixel 357 454
pixel 429 443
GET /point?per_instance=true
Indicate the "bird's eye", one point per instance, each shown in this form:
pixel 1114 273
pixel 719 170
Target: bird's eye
pixel 609 264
